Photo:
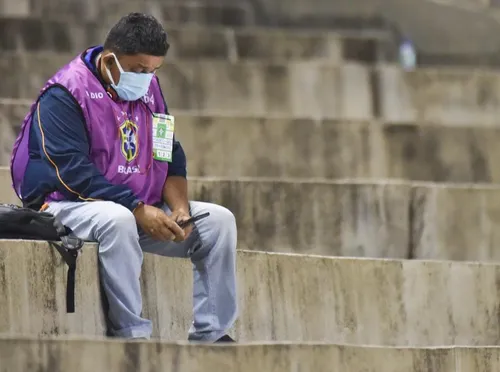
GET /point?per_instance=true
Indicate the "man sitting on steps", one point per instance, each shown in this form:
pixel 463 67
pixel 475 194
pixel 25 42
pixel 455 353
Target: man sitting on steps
pixel 97 150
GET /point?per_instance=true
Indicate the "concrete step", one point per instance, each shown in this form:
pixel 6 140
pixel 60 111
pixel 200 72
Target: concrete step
pixel 281 297
pixel 40 34
pixel 477 5
pixel 304 89
pixel 88 355
pixel 109 11
pixel 437 29
pixel 354 218
pixel 442 33
pixel 319 148
pixel 317 89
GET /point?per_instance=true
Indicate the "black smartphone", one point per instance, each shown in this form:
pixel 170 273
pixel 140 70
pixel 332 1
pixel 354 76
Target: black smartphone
pixel 192 220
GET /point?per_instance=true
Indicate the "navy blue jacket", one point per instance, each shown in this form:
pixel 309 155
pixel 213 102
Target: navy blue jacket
pixel 65 141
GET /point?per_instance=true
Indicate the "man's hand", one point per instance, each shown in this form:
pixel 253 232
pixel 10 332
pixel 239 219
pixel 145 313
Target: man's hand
pixel 181 215
pixel 156 223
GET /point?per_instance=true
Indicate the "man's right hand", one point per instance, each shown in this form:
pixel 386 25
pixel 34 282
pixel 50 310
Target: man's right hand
pixel 158 224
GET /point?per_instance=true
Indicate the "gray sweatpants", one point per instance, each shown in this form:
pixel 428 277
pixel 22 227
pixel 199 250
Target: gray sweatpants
pixel 121 247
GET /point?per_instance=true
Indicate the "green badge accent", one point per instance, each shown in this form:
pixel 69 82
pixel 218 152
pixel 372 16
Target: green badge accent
pixel 163 137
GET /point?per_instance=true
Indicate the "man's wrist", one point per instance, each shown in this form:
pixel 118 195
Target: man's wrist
pixel 175 194
pixel 181 208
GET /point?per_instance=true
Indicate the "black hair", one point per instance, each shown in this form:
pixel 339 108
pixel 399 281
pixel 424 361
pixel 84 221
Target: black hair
pixel 137 33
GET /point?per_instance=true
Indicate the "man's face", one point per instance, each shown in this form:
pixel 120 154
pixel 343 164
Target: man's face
pixel 139 63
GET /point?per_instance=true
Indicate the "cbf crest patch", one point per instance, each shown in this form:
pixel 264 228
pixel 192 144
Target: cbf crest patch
pixel 130 141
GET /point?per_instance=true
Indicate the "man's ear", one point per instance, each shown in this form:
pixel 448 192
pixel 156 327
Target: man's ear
pixel 108 59
pixel 108 62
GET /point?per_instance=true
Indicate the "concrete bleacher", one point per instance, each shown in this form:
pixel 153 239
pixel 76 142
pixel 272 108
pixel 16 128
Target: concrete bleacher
pixel 195 41
pixel 106 12
pixel 366 197
pixel 323 149
pixel 302 88
pixel 354 217
pixel 90 355
pixel 437 28
pixel 282 297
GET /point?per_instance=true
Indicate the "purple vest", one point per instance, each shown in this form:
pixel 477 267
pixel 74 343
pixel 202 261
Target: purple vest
pixel 120 134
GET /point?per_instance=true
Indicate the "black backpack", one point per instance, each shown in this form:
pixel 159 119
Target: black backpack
pixel 28 224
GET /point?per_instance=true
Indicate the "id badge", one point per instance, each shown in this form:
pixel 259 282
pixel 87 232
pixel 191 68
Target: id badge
pixel 163 137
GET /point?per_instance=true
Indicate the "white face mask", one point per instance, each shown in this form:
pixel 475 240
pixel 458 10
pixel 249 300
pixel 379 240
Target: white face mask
pixel 132 85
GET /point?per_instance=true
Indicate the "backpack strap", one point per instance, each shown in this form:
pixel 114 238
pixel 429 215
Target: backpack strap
pixel 69 256
pixel 68 250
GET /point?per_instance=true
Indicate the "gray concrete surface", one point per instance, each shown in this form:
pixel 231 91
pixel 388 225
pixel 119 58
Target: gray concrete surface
pixel 286 147
pixel 186 42
pixel 355 218
pixel 446 95
pixel 7 194
pixel 282 297
pixel 23 354
pixel 478 5
pixel 438 29
pixel 282 147
pixel 305 89
pixel 109 11
pixel 300 89
pixel 361 218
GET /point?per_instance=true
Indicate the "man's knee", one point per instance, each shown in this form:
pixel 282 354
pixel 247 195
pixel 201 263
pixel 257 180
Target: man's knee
pixel 222 223
pixel 113 218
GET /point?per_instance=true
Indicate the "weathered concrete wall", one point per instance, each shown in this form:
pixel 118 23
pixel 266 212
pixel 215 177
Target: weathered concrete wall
pixel 468 4
pixel 23 354
pixel 282 297
pixel 368 219
pixel 186 42
pixel 355 218
pixel 109 11
pixel 455 223
pixel 7 194
pixel 478 359
pixel 437 29
pixel 261 147
pixel 322 218
pixel 33 290
pixel 89 355
pixel 226 146
pixel 447 96
pixel 301 89
pixel 304 89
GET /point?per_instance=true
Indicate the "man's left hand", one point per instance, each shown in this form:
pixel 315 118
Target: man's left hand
pixel 180 215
